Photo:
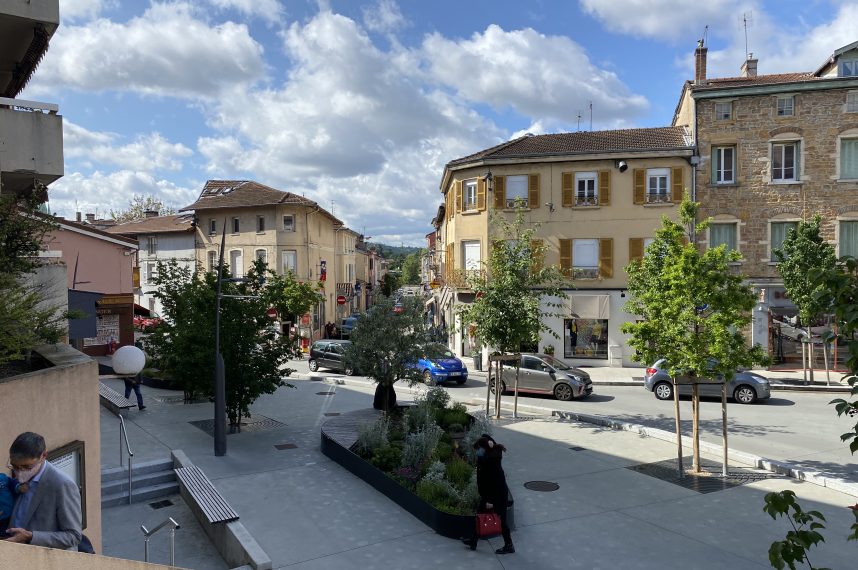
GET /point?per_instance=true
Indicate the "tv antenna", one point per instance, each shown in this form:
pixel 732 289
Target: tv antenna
pixel 745 22
pixel 579 121
pixel 591 115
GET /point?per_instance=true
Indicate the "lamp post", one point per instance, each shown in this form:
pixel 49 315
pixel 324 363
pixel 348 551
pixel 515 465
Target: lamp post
pixel 219 380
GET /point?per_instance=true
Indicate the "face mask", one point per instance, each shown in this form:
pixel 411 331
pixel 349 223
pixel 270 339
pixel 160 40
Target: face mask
pixel 25 476
pixel 481 452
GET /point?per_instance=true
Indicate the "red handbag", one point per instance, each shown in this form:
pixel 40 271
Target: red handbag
pixel 488 525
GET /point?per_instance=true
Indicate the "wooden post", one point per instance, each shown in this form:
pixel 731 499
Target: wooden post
pixel 678 429
pixel 695 423
pixel 515 398
pixel 489 385
pixel 803 360
pixel 825 357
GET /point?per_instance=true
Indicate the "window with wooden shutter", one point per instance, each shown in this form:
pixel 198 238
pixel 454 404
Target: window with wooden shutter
pixel 677 184
pixel 537 255
pixel 606 258
pixel 451 262
pixel 640 185
pixel 499 192
pixel 533 191
pixel 568 186
pixel 636 249
pixel 566 257
pixel 458 196
pixel 481 194
pixel 604 187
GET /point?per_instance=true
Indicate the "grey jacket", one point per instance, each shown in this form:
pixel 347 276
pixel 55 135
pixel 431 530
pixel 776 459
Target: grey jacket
pixel 54 515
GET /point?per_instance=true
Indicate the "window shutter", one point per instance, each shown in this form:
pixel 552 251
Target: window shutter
pixel 606 258
pixel 481 194
pixel 568 189
pixel 458 196
pixel 566 257
pixel 450 260
pixel 798 161
pixel 533 191
pixel 636 249
pixel 713 166
pixel 604 187
pixel 537 255
pixel 677 184
pixel 640 185
pixel 500 192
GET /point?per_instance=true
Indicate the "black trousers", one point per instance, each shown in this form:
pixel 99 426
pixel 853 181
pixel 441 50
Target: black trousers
pixel 132 385
pixel 501 509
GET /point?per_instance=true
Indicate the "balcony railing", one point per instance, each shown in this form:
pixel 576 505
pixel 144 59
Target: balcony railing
pixel 585 272
pixel 458 278
pixel 586 201
pixel 657 198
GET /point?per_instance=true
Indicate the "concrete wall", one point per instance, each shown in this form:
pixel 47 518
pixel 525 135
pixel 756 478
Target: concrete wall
pixel 28 557
pixel 31 141
pixel 45 11
pixel 60 403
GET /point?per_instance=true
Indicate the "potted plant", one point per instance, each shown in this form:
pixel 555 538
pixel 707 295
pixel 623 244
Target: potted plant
pixel 548 349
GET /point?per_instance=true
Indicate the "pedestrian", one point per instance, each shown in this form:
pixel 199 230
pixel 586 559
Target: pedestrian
pixel 47 510
pixel 133 383
pixel 7 501
pixel 491 484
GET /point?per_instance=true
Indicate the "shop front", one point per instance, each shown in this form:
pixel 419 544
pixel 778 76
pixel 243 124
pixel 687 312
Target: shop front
pixel 114 325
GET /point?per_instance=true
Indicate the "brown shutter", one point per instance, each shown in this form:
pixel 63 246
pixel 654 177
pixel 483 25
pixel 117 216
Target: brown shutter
pixel 537 255
pixel 606 258
pixel 500 192
pixel 677 184
pixel 636 249
pixel 640 185
pixel 458 196
pixel 451 262
pixel 533 191
pixel 481 194
pixel 604 187
pixel 447 204
pixel 568 185
pixel 566 257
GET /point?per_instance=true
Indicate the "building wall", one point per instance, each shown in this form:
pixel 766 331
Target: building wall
pixel 102 266
pixel 178 246
pixel 29 557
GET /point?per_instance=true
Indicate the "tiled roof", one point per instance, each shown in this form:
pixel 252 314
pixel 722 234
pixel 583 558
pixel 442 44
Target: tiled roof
pixel 658 138
pixel 154 225
pixel 725 82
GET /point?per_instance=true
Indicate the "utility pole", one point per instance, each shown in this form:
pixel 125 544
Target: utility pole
pixel 220 381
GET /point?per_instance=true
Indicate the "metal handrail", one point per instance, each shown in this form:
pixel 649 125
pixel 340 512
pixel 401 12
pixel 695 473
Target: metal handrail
pixel 148 533
pixel 123 434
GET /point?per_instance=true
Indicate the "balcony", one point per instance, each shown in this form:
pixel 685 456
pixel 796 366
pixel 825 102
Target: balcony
pixel 585 273
pixel 458 278
pixel 26 28
pixel 658 198
pixel 31 135
pixel 586 201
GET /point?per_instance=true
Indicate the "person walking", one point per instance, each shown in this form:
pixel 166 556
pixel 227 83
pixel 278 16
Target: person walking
pixel 134 384
pixel 491 484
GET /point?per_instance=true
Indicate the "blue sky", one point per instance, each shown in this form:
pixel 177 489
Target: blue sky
pixel 358 105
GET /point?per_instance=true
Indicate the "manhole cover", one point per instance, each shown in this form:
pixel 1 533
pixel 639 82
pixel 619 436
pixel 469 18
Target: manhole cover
pixel 709 480
pixel 282 446
pixel 330 414
pixel 325 393
pixel 544 486
pixel 257 423
pixel 161 504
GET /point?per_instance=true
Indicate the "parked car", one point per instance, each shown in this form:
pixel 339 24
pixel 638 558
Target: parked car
pixel 439 365
pixel 544 374
pixel 346 326
pixel 330 354
pixel 746 387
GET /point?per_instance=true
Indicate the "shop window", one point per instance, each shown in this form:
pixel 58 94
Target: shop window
pixel 585 338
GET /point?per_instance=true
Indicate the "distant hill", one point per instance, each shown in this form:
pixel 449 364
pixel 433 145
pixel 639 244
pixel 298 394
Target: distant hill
pixel 393 251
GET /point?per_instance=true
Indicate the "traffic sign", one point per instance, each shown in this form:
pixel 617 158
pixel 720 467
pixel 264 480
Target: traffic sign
pixel 341 299
pixel 272 313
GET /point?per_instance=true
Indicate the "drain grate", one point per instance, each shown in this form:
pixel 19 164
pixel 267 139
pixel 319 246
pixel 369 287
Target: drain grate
pixel 709 480
pixel 325 393
pixel 161 504
pixel 576 448
pixel 257 423
pixel 282 446
pixel 331 414
pixel 544 486
pixel 178 400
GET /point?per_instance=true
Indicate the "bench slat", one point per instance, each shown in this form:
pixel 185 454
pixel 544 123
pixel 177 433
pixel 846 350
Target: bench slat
pixel 213 505
pixel 114 397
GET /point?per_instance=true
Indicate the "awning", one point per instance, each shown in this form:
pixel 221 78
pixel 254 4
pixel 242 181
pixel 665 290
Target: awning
pixel 588 306
pixel 141 311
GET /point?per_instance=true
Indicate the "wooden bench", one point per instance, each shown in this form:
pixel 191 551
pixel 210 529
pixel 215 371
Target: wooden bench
pixel 213 506
pixel 113 400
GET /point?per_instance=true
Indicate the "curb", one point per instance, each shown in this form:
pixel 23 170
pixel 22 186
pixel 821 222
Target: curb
pixel 756 461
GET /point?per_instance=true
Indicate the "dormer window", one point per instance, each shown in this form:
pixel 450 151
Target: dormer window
pixel 849 68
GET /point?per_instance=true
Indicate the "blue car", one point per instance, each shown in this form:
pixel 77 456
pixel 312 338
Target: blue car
pixel 439 365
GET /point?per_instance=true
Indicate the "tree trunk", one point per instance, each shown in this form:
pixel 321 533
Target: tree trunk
pixel 678 429
pixel 695 423
pixel 498 389
pixel 724 425
pixel 489 384
pixel 811 355
pixel 385 397
pixel 515 398
pixel 803 360
pixel 825 357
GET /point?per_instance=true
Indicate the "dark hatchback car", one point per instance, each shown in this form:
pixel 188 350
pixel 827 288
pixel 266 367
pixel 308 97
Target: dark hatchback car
pixel 745 387
pixel 330 354
pixel 543 374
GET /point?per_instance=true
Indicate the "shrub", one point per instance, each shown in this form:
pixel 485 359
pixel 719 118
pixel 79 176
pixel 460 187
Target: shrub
pixel 469 497
pixel 457 415
pixel 418 417
pixel 456 428
pixel 480 426
pixel 444 451
pixel 387 457
pixel 419 445
pixel 374 435
pixel 435 472
pixel 459 473
pixel 435 493
pixel 437 398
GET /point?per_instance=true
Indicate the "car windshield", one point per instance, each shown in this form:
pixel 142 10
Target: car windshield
pixel 554 363
pixel 439 351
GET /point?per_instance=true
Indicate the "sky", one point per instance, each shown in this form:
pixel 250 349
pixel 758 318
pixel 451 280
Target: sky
pixel 359 105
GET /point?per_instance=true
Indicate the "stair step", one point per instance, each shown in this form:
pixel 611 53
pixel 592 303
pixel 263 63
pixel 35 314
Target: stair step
pixel 139 481
pixel 140 494
pixel 117 473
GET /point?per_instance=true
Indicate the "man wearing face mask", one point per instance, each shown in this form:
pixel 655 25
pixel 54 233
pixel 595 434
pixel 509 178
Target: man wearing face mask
pixel 47 512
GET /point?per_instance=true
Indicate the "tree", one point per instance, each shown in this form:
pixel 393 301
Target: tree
pixel 803 252
pixel 389 284
pixel 138 207
pixel 693 308
pixel 411 268
pixel 386 344
pixel 508 306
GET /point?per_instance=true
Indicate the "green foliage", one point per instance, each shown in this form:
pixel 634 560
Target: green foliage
pixel 453 419
pixel 507 310
pixel 803 535
pixel 373 436
pixel 410 271
pixel 419 445
pixel 22 233
pixel 136 210
pixel 459 472
pixel 437 398
pixel 438 494
pixel 480 426
pixel 443 451
pixel 389 284
pixel 290 297
pixel 387 457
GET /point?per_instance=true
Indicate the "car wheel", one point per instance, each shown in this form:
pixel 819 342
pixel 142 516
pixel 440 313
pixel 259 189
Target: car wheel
pixel 348 370
pixel 663 391
pixel 314 365
pixel 563 392
pixel 427 378
pixel 492 386
pixel 744 394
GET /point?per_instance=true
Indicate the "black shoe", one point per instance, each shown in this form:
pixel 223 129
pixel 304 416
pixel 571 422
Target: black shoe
pixel 141 408
pixel 507 549
pixel 470 543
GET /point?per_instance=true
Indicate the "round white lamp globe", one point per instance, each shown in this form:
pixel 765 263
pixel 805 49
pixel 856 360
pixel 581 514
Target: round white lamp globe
pixel 129 361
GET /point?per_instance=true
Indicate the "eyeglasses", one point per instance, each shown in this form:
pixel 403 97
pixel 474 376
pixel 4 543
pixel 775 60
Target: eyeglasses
pixel 14 467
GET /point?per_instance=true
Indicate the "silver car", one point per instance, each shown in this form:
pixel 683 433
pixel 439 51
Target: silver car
pixel 745 387
pixel 543 374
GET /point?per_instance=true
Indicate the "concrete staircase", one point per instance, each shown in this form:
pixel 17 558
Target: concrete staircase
pixel 150 480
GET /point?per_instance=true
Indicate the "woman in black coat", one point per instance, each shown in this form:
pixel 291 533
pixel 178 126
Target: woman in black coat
pixel 491 484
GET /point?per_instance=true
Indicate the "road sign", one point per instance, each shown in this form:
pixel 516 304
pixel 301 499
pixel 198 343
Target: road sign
pixel 357 287
pixel 341 299
pixel 272 313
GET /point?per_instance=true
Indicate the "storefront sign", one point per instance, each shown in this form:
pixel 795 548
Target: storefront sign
pixel 106 329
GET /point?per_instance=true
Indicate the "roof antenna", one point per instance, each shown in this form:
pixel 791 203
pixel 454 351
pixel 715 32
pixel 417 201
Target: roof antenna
pixel 591 116
pixel 579 121
pixel 744 23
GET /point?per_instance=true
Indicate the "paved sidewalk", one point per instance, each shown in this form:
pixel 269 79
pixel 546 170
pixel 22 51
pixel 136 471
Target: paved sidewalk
pixel 309 513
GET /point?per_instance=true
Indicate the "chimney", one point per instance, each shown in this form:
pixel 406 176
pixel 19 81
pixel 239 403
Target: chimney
pixel 749 68
pixel 700 63
pixel 90 218
pixel 77 217
pixel 150 213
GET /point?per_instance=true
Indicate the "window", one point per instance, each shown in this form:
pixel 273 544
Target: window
pixel 212 227
pixel 724 111
pixel 849 238
pixel 784 162
pixel 289 223
pixel 723 165
pixel 469 187
pixel 780 230
pixel 786 106
pixel 151 245
pixel 585 338
pixel 260 224
pixel 516 188
pixel 236 228
pixel 212 261
pixel 849 68
pixel 585 258
pixel 657 185
pixel 151 273
pixel 262 255
pixel 723 234
pixel 470 255
pixel 852 102
pixel 290 261
pixel 236 263
pixel 849 159
pixel 350 273
pixel 586 190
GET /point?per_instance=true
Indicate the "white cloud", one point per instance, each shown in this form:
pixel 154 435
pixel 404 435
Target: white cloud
pixel 270 10
pixel 545 77
pixel 83 9
pixel 148 152
pixel 384 17
pixel 166 51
